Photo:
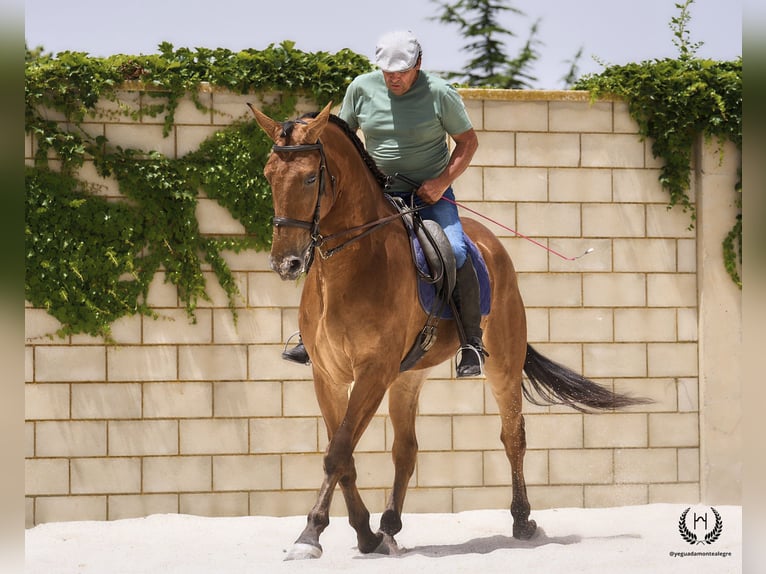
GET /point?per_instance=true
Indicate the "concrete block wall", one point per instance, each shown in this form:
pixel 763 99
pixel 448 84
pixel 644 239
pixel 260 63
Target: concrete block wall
pixel 207 419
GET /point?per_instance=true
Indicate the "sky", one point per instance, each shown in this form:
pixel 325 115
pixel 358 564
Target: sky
pixel 609 31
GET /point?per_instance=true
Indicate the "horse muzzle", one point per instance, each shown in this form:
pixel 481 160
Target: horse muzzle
pixel 288 267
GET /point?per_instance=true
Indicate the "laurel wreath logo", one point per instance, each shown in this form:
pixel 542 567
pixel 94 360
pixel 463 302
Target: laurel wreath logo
pixel 691 537
pixel 713 535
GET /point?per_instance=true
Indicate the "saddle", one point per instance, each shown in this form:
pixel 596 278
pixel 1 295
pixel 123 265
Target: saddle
pixel 432 255
pixel 435 264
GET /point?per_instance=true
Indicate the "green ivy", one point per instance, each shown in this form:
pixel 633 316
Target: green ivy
pixel 90 261
pixel 83 254
pixel 675 101
pixel 230 162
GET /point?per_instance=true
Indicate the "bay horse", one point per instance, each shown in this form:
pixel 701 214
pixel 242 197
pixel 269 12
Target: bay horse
pixel 359 316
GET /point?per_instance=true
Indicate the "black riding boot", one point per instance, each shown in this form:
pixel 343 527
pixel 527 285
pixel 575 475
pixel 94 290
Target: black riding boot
pixel 467 298
pixel 297 354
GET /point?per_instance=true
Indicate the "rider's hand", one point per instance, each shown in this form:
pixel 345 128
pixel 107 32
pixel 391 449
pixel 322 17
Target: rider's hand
pixel 431 191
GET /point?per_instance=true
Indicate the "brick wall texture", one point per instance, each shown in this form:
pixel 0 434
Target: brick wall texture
pixel 207 419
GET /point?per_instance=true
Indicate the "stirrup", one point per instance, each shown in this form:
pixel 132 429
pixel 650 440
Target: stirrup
pixel 480 354
pixel 298 353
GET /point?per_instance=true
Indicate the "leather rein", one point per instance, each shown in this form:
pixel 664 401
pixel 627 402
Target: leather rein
pixel 317 239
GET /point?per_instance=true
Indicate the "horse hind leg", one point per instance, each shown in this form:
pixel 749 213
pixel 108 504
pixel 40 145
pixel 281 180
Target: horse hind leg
pixel 515 447
pixel 508 395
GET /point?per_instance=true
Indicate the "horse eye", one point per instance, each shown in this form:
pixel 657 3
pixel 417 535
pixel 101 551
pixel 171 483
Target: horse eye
pixel 310 180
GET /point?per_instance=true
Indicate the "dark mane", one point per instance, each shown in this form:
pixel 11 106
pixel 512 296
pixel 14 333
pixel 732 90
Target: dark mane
pixel 380 177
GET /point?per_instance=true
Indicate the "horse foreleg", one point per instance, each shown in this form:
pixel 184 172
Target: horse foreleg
pixel 358 515
pixel 333 402
pixel 402 408
pixel 514 440
pixel 307 544
pixel 339 468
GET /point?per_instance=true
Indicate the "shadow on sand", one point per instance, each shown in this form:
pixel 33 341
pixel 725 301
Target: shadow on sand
pixel 489 544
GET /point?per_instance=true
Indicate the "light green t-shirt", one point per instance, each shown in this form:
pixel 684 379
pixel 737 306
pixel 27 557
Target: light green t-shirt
pixel 407 133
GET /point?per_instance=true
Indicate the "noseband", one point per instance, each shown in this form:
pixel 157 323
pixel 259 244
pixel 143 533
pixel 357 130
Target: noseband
pixel 311 226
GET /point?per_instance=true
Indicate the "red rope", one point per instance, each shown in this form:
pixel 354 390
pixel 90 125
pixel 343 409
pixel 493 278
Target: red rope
pixel 515 232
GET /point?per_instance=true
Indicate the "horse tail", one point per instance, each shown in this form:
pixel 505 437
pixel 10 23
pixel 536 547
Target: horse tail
pixel 555 384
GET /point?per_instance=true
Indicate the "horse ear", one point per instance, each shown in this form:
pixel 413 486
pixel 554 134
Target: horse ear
pixel 271 127
pixel 319 124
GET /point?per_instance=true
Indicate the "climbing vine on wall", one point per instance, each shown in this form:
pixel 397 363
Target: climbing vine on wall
pixel 90 261
pixel 84 283
pixel 675 101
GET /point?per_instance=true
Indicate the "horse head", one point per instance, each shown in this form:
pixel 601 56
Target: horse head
pixel 297 173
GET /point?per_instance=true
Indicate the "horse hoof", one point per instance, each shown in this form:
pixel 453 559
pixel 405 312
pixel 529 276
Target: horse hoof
pixel 388 546
pixel 302 551
pixel 524 531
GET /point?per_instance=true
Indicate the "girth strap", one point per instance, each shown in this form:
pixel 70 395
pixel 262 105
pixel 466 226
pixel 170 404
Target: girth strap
pixel 442 276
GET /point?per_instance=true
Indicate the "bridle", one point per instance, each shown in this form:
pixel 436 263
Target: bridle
pixel 317 239
pixel 311 226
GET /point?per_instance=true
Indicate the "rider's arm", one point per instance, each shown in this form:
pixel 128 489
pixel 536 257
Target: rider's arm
pixel 466 145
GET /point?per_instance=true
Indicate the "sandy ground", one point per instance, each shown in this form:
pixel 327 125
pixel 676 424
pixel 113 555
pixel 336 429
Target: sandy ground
pixel 572 540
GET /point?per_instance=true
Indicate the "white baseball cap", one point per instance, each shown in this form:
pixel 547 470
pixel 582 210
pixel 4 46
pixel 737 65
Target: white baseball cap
pixel 397 51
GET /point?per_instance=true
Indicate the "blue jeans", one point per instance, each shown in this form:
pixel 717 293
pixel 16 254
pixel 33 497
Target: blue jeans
pixel 445 214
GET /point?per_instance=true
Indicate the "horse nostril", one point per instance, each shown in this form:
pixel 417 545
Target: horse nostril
pixel 294 264
pixel 288 267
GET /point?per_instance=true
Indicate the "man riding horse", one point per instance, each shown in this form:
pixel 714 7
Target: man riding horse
pixel 405 115
pixel 326 191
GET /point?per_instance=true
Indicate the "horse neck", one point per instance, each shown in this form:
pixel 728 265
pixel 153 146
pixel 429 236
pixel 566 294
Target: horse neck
pixel 358 196
pixel 359 201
